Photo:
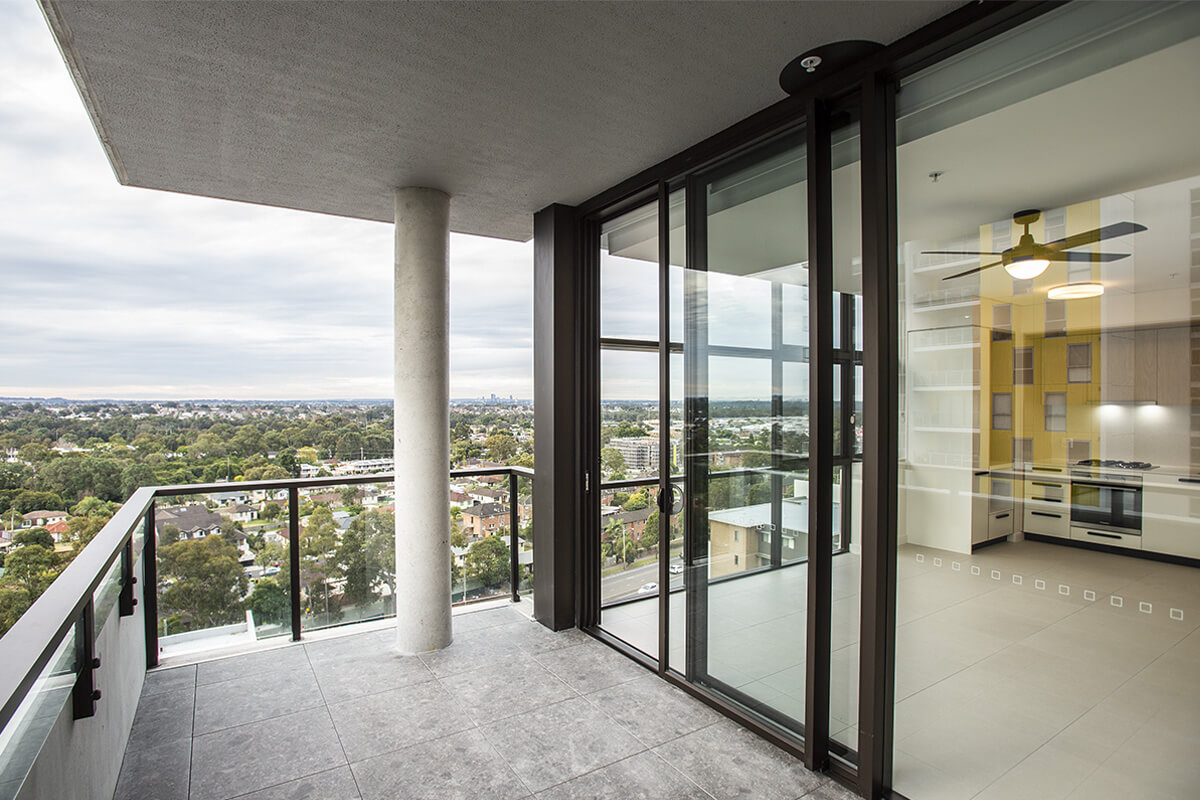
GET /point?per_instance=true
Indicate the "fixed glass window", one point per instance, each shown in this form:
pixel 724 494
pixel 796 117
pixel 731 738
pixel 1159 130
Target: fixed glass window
pixel 1056 318
pixel 1022 450
pixel 1056 411
pixel 1001 322
pixel 1079 363
pixel 1022 366
pixel 1002 411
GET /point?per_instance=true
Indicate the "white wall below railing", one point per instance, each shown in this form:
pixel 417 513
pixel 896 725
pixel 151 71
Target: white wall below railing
pixel 81 759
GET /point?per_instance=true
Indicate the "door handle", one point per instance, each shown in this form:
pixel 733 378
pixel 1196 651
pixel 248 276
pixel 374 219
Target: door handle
pixel 1105 535
pixel 1045 514
pixel 676 500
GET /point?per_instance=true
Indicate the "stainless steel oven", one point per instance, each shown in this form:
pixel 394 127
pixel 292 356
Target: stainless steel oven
pixel 1114 505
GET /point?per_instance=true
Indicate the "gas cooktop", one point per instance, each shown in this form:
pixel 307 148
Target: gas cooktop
pixel 1114 464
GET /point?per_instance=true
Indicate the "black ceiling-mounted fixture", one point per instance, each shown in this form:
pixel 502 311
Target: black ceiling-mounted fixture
pixel 804 69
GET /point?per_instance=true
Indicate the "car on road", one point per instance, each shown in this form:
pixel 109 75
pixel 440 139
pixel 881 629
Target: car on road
pixel 648 588
pixel 677 569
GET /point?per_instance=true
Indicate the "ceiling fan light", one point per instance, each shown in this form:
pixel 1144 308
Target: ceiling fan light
pixel 1027 268
pixel 1075 291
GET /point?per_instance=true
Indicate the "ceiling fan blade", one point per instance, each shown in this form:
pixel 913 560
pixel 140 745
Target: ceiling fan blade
pixel 1089 257
pixel 1097 235
pixel 960 253
pixel 972 271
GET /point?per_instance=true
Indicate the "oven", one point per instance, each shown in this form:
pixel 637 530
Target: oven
pixel 1108 505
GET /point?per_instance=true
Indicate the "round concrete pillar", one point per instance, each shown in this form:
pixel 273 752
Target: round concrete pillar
pixel 422 419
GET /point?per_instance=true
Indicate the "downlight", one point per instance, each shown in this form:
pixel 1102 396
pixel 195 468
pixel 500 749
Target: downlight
pixel 1075 291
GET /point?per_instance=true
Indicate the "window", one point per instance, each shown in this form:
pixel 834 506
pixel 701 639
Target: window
pixel 1056 411
pixel 1079 363
pixel 1056 318
pixel 737 535
pixel 1001 322
pixel 1002 411
pixel 1022 450
pixel 1022 366
pixel 735 560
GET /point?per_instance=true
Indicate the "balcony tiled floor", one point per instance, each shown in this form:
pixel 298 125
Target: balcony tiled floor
pixel 510 710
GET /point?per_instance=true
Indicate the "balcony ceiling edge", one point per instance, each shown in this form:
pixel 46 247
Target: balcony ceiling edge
pixel 508 107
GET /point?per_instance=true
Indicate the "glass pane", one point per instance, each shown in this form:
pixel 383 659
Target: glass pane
pixel 1045 646
pixel 629 275
pixel 629 516
pixel 26 732
pixel 746 410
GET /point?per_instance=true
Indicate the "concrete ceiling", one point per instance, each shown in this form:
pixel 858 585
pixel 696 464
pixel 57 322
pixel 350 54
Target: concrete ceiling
pixel 507 106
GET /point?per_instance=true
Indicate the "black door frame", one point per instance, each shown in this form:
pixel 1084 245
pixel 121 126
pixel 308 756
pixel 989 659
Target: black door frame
pixel 874 81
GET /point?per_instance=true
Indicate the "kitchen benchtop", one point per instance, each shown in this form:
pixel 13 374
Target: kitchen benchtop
pixel 1063 468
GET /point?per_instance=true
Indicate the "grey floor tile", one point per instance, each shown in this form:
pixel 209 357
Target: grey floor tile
pixel 462 766
pixel 472 650
pixel 340 647
pixel 644 776
pixel 517 686
pixel 477 620
pixel 559 742
pixel 255 697
pixel 728 761
pixel 367 672
pixel 261 754
pixel 163 717
pixel 251 666
pixel 379 723
pixel 155 770
pixel 591 666
pixel 653 710
pixel 168 680
pixel 831 790
pixel 335 784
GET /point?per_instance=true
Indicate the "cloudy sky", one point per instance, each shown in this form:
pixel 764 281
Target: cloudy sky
pixel 112 291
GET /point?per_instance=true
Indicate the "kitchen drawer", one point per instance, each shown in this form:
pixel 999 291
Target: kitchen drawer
pixel 1000 525
pixel 1050 491
pixel 1106 537
pixel 1171 519
pixel 1047 519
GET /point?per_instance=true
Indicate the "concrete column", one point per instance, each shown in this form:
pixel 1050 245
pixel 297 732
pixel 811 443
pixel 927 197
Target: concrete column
pixel 422 419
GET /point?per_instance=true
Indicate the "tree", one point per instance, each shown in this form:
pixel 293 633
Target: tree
pixel 349 495
pixel 358 566
pixel 636 502
pixel 611 460
pixel 271 511
pixel 458 539
pixel 620 498
pixel 14 601
pixel 318 546
pixel 524 460
pixel 30 567
pixel 650 535
pixel 81 530
pixel 36 501
pixel 169 534
pixel 94 506
pixel 501 447
pixel 37 536
pixel 135 476
pixel 488 561
pixel 201 583
pixel 269 601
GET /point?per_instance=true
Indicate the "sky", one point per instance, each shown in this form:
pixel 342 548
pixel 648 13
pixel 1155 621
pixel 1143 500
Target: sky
pixel 109 291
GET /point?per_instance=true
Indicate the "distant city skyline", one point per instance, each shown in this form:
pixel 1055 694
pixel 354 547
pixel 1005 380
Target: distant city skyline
pixel 116 292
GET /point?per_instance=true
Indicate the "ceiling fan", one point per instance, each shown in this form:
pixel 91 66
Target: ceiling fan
pixel 1028 259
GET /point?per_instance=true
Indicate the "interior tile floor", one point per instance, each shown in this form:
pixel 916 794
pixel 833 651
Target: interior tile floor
pixel 1025 670
pixel 510 710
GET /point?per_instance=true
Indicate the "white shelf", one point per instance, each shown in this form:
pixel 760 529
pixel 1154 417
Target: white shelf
pixel 945 388
pixel 936 347
pixel 925 429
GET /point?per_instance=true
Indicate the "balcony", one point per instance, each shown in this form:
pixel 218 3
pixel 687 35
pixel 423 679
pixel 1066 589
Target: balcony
pixel 510 709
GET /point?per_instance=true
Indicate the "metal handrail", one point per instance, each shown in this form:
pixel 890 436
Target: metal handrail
pixel 28 646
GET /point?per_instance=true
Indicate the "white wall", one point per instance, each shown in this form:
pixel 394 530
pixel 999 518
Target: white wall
pixel 81 759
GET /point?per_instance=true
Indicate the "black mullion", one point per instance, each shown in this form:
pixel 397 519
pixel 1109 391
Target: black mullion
pixel 776 424
pixel 877 642
pixel 587 556
pixel 664 429
pixel 820 453
pixel 695 416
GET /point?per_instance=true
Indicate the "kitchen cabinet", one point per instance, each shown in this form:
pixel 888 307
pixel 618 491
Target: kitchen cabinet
pixel 1145 366
pixel 1173 360
pixel 1171 516
pixel 1047 507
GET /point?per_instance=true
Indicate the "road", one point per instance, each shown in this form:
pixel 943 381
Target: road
pixel 626 583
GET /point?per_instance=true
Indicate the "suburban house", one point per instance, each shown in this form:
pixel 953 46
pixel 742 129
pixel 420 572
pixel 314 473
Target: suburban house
pixel 194 521
pixel 42 518
pixel 484 519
